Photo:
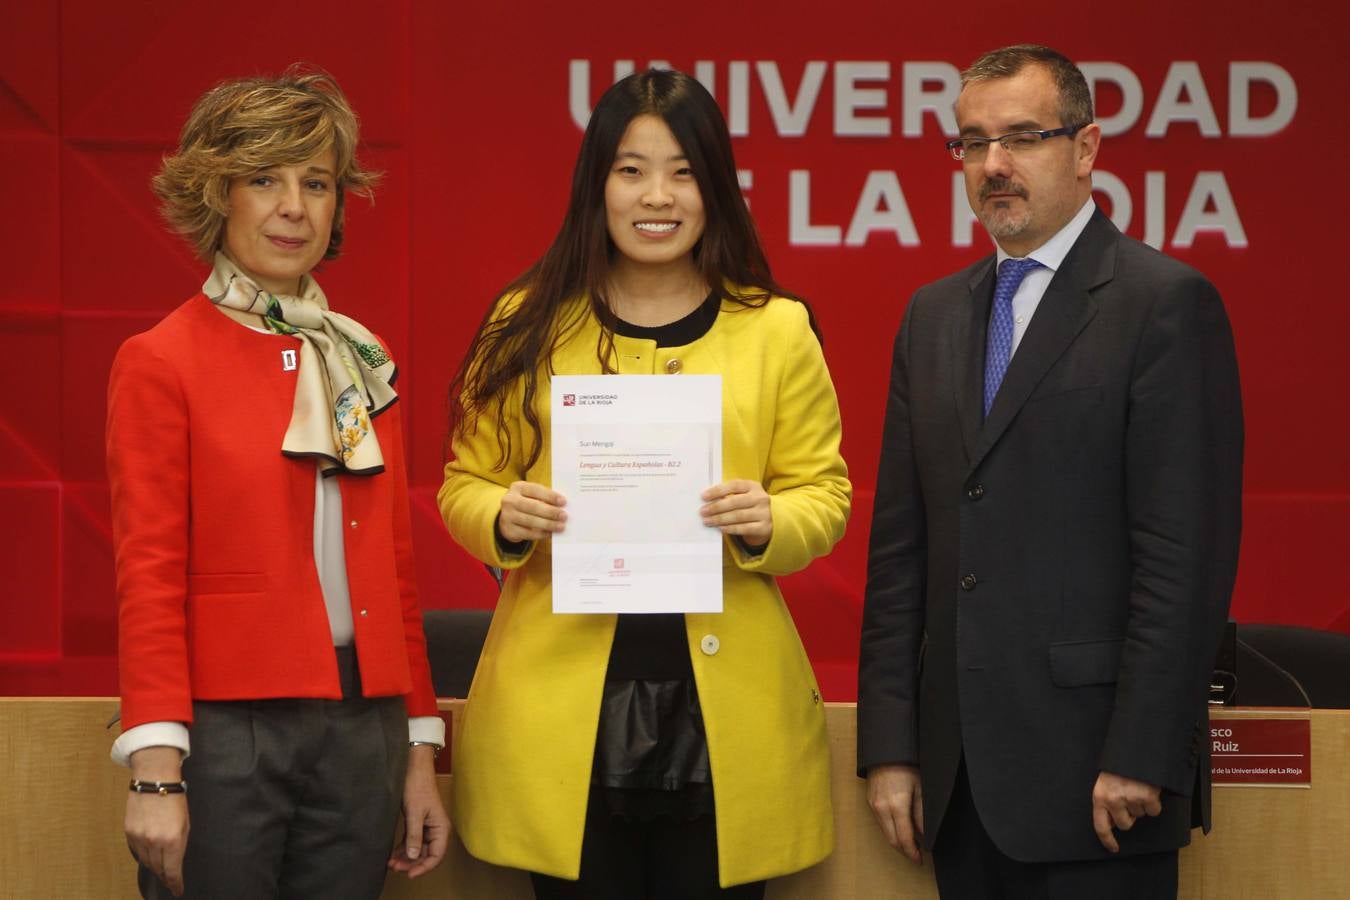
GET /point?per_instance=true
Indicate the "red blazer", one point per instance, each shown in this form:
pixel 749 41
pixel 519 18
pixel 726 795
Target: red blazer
pixel 213 531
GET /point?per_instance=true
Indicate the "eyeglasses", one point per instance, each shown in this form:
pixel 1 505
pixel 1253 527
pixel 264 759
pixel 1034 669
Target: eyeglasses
pixel 1015 143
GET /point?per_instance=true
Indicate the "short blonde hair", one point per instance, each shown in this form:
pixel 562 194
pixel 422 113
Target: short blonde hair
pixel 244 126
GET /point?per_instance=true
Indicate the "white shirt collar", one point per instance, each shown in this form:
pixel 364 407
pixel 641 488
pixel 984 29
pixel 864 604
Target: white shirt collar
pixel 1051 254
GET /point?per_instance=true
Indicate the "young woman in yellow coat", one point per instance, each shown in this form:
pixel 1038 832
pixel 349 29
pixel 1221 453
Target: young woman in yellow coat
pixel 648 755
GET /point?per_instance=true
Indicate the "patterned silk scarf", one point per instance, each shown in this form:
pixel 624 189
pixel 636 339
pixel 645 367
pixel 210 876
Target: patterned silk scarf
pixel 345 376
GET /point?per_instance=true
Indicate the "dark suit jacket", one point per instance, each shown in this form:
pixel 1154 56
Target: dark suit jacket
pixel 1064 567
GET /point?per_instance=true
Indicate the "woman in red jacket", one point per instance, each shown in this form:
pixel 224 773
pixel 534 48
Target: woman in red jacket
pixel 271 643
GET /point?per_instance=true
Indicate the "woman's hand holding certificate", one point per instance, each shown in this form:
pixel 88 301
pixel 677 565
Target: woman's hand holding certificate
pixel 739 507
pixel 530 512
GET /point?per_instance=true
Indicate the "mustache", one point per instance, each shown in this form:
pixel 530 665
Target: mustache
pixel 1001 186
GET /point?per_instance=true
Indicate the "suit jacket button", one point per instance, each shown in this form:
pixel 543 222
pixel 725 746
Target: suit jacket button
pixel 968 583
pixel 976 492
pixel 710 645
pixel 673 366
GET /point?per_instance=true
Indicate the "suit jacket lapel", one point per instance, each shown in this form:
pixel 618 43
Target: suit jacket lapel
pixel 1064 310
pixel 967 353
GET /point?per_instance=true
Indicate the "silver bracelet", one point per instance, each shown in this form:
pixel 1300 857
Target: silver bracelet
pixel 435 748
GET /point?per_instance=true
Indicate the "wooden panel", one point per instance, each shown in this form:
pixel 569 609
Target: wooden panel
pixel 1280 841
pixel 62 800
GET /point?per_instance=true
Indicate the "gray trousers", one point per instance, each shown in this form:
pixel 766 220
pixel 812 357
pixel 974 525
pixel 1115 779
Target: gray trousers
pixel 292 798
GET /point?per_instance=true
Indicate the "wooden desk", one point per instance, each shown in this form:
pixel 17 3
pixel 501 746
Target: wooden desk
pixel 61 802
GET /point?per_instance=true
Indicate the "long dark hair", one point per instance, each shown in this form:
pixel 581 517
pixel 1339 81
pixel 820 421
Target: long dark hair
pixel 511 343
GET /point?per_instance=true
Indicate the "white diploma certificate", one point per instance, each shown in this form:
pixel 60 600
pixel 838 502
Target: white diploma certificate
pixel 632 454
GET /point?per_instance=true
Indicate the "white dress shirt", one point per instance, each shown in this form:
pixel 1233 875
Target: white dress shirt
pixel 1051 256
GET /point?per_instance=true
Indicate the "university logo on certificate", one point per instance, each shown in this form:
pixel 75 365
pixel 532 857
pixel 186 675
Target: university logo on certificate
pixel 632 454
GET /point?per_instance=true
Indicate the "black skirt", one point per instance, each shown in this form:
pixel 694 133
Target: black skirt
pixel 651 752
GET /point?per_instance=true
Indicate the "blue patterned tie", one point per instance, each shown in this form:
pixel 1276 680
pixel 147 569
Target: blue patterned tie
pixel 998 350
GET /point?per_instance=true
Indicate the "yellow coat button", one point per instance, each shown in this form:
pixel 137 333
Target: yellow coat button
pixel 673 366
pixel 710 645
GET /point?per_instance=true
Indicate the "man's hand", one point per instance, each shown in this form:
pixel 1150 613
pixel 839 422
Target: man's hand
pixel 896 798
pixel 157 824
pixel 426 826
pixel 1120 801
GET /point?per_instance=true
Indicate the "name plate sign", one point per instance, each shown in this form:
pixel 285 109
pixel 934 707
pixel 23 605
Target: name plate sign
pixel 1265 748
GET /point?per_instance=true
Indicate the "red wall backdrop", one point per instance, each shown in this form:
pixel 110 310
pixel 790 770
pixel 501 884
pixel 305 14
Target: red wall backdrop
pixel 1227 133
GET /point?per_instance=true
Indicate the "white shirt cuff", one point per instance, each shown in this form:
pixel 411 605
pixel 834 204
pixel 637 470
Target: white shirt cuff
pixel 427 729
pixel 155 734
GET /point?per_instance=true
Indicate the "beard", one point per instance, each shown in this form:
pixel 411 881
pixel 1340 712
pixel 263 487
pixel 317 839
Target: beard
pixel 1001 221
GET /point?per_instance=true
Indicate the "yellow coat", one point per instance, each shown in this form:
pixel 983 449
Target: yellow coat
pixel 523 751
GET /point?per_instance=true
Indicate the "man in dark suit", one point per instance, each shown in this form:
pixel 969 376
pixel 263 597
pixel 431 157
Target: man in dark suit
pixel 1056 528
